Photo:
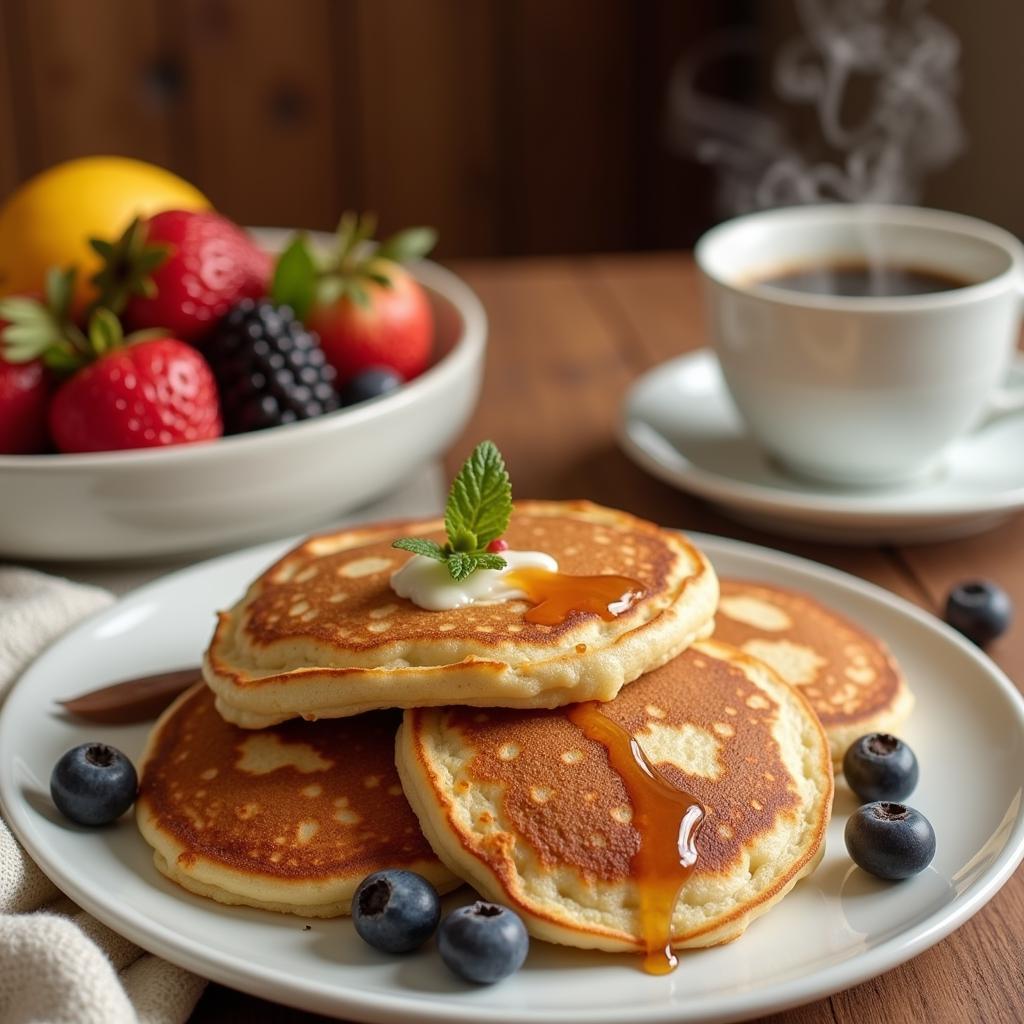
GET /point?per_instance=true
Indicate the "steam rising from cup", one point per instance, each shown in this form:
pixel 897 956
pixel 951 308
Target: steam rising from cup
pixel 909 129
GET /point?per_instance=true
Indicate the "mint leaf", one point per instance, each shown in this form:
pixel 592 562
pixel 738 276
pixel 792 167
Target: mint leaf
pixel 461 565
pixel 294 282
pixel 487 560
pixel 464 541
pixel 421 546
pixel 480 499
pixel 478 511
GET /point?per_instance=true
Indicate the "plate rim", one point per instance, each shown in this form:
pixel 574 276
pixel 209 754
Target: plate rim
pixel 851 508
pixel 279 986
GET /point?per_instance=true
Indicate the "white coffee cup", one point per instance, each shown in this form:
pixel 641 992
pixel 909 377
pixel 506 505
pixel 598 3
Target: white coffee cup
pixel 863 390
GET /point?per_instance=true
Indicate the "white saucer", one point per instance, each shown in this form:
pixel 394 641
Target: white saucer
pixel 679 424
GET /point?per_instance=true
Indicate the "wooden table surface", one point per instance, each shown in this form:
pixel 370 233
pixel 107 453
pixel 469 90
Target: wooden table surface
pixel 567 336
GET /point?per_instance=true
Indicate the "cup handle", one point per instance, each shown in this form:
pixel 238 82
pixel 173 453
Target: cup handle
pixel 1008 398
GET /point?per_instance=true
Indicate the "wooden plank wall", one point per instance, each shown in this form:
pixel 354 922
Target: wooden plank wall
pixel 516 126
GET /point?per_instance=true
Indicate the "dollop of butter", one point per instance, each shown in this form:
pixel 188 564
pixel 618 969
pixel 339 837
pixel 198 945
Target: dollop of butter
pixel 427 583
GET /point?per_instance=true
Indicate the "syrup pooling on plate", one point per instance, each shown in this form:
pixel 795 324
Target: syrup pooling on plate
pixel 668 820
pixel 556 595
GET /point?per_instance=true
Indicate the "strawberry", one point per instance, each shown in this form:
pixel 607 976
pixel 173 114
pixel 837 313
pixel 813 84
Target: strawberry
pixel 368 310
pixel 150 393
pixel 180 270
pixel 24 397
pixel 136 392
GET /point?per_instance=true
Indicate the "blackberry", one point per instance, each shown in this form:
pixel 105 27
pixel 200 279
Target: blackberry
pixel 269 369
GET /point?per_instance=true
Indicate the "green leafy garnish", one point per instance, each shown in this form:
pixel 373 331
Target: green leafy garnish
pixel 480 501
pixel 479 508
pixel 422 546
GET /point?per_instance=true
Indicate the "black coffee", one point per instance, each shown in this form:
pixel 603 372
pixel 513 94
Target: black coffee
pixel 864 280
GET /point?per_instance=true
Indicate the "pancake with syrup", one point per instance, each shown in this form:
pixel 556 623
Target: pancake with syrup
pixel 321 634
pixel 290 819
pixel 534 810
pixel 847 675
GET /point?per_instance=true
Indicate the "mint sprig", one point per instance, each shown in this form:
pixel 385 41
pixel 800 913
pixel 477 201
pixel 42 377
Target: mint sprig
pixel 422 546
pixel 478 511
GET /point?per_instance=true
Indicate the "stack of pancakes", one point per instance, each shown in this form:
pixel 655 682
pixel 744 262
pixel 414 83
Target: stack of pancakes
pixel 289 775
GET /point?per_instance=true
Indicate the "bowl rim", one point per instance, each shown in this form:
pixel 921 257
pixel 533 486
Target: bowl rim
pixel 466 349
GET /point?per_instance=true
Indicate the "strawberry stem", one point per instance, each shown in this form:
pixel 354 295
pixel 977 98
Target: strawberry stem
pixel 355 263
pixel 44 330
pixel 127 268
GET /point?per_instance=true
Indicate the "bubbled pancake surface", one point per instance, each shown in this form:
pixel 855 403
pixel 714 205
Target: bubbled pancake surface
pixel 288 819
pixel 529 810
pixel 847 675
pixel 322 634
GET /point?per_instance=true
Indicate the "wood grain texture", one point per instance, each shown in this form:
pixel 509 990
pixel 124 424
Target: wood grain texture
pixel 995 556
pixel 86 82
pixel 569 97
pixel 514 126
pixel 262 99
pixel 567 336
pixel 426 136
pixel 10 97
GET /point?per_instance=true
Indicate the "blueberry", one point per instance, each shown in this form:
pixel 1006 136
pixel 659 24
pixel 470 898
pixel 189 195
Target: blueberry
pixel 483 943
pixel 880 767
pixel 395 911
pixel 979 609
pixel 890 840
pixel 93 784
pixel 369 384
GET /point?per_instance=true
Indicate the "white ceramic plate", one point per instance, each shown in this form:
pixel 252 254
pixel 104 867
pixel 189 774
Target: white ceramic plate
pixel 679 424
pixel 836 929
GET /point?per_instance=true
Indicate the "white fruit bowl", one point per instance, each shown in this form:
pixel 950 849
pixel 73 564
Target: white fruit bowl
pixel 218 494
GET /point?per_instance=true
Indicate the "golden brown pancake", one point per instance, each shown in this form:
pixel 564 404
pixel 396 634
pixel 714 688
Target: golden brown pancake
pixel 529 810
pixel 321 634
pixel 289 819
pixel 848 676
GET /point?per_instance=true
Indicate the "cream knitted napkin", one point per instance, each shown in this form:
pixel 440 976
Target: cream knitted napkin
pixel 58 965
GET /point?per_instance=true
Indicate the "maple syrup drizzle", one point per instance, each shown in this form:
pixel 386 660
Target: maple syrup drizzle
pixel 556 595
pixel 668 820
